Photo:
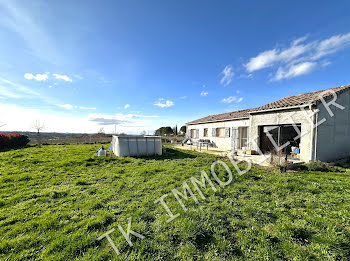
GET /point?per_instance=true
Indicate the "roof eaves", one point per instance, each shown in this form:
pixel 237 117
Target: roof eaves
pixel 212 121
pixel 283 108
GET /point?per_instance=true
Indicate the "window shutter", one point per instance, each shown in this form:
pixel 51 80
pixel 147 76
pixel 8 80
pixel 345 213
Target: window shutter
pixel 248 145
pixel 213 132
pixel 234 139
pixel 197 133
pixel 227 132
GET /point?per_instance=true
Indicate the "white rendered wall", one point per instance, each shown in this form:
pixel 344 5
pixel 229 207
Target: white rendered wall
pixel 223 143
pixel 284 117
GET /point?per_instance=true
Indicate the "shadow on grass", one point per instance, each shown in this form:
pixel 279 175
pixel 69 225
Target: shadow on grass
pixel 173 154
pixel 16 148
pixel 170 154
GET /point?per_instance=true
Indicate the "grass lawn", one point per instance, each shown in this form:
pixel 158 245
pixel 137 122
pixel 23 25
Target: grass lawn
pixel 56 201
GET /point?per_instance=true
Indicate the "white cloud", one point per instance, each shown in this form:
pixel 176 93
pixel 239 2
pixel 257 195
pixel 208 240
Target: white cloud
pixel 6 93
pixel 62 77
pixel 164 104
pixel 78 76
pixel 203 93
pixel 87 108
pixel 295 70
pixel 127 106
pixel 19 89
pixel 22 91
pixel 147 116
pixel 70 107
pixel 107 119
pixel 37 77
pixel 299 58
pixel 299 40
pixel 227 75
pixel 20 118
pixel 132 122
pixel 231 99
pixel 325 63
pixel 332 45
pixel 183 97
pixel 263 60
pixel 245 76
pixel 66 106
pixel 271 57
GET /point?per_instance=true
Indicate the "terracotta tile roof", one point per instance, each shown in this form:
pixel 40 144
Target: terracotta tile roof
pixel 287 102
pixel 297 100
pixel 223 116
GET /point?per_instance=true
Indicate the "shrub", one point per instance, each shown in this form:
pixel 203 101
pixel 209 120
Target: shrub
pixel 12 140
pixel 321 166
pixel 344 162
pixel 4 140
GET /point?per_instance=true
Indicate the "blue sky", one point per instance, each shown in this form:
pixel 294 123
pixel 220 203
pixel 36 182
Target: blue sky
pixel 77 66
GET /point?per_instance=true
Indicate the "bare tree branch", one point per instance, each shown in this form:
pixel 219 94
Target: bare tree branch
pixel 38 126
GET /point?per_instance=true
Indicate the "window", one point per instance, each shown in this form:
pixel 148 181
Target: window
pixel 193 133
pixel 242 137
pixel 220 132
pixel 205 132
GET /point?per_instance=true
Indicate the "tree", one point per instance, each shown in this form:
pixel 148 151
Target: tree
pixel 175 130
pixel 38 126
pixel 101 131
pixel 143 133
pixel 183 129
pixel 162 131
pixel 158 132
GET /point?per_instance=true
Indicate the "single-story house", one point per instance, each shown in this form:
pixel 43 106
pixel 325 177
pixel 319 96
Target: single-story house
pixel 316 125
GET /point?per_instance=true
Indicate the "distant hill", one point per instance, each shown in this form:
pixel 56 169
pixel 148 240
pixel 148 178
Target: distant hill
pixel 67 138
pixel 48 135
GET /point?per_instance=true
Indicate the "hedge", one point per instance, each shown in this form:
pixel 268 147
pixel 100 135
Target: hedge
pixel 12 140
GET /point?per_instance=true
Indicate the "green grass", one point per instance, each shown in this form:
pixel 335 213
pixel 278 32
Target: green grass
pixel 55 201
